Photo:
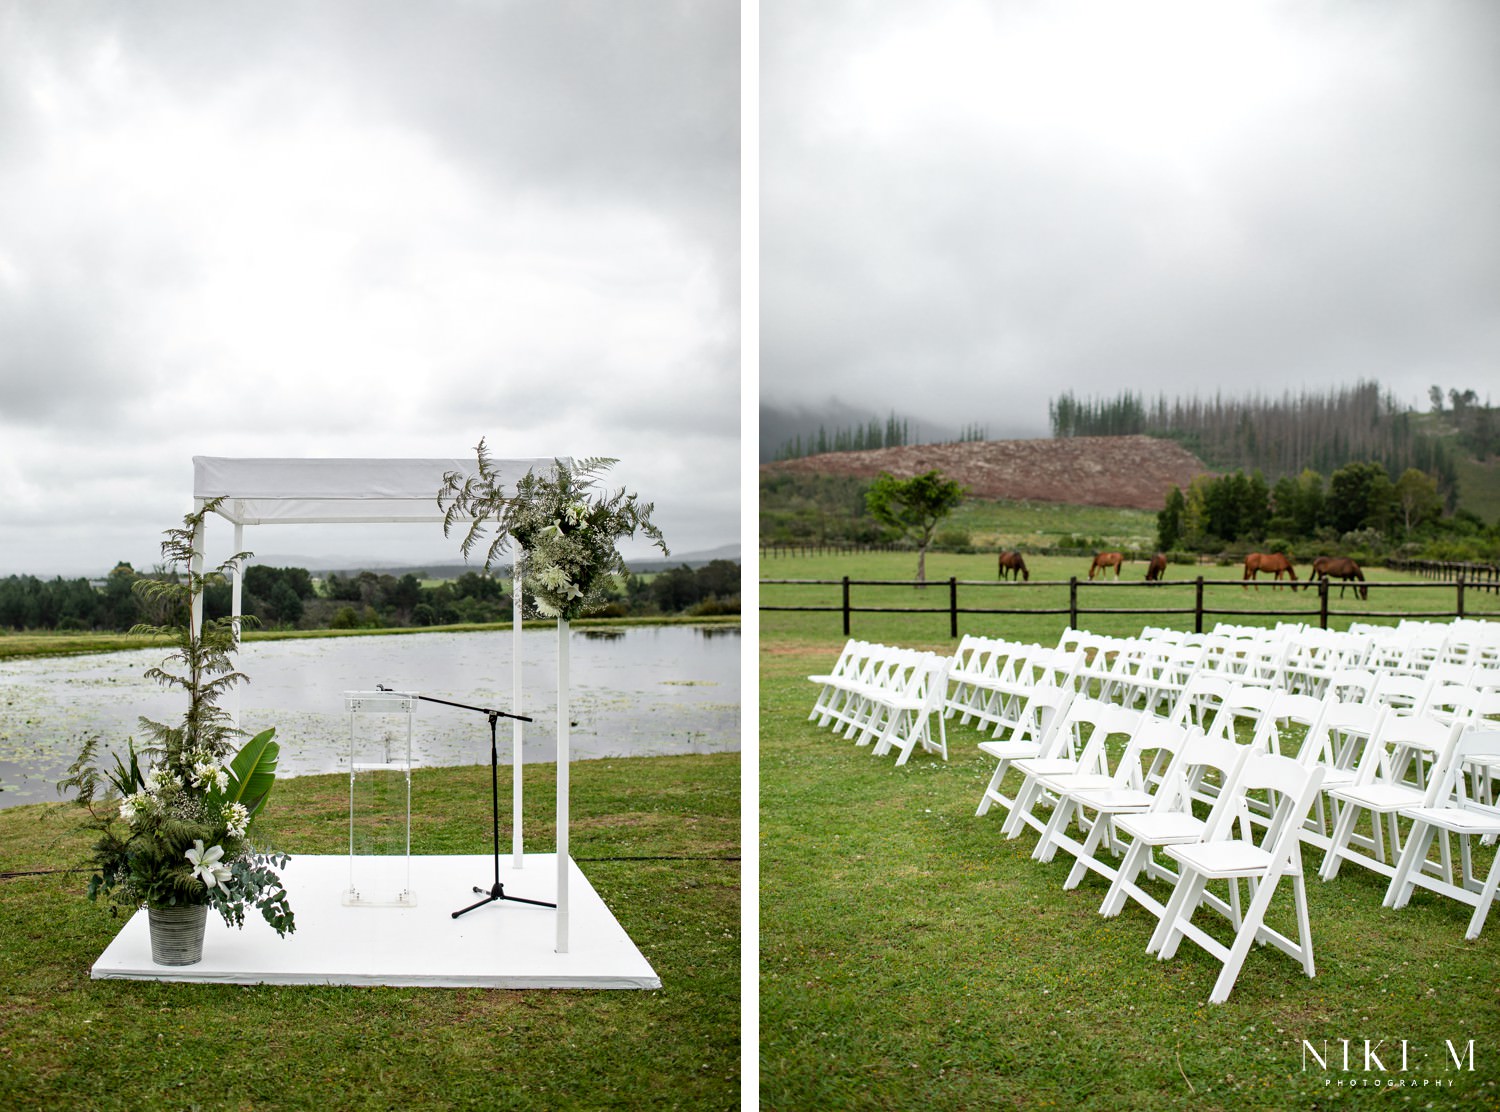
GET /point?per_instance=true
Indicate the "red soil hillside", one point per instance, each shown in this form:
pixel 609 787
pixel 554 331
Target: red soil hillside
pixel 1127 471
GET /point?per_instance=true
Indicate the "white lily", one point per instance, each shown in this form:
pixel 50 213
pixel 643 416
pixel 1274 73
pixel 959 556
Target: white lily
pixel 206 864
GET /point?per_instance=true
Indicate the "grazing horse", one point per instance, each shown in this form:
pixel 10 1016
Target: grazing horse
pixel 1104 561
pixel 1271 562
pixel 1343 568
pixel 1011 562
pixel 1156 569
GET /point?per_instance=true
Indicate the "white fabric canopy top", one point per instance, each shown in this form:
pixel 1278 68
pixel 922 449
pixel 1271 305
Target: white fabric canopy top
pixel 315 491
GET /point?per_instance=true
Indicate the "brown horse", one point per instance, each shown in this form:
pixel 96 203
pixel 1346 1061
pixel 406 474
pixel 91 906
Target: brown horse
pixel 1011 562
pixel 1343 568
pixel 1156 569
pixel 1273 562
pixel 1104 561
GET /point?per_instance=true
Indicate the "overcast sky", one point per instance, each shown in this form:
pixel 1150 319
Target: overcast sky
pixel 361 229
pixel 970 206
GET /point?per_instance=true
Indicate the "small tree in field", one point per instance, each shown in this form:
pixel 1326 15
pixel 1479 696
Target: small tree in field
pixel 914 506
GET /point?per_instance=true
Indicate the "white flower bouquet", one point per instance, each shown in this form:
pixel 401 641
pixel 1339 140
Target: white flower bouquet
pixel 567 528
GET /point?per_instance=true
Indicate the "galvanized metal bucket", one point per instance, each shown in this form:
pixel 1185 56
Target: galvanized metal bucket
pixel 177 934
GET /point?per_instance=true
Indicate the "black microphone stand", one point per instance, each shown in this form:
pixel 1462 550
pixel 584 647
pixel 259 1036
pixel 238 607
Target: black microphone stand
pixel 497 891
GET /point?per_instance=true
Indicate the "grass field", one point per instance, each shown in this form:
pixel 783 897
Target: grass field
pixel 911 956
pixel 658 838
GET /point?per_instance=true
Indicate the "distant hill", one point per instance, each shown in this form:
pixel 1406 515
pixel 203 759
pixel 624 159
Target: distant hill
pixel 321 565
pixel 1133 472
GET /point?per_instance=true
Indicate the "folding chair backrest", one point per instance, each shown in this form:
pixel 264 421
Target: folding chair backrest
pixel 1104 720
pixel 1286 785
pixel 1302 713
pixel 1202 768
pixel 1245 703
pixel 1408 751
pixel 1151 753
pixel 1341 737
pixel 1450 783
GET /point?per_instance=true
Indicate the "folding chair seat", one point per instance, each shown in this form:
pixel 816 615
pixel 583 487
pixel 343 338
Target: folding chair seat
pixel 1449 809
pixel 1073 762
pixel 1148 764
pixel 1231 852
pixel 1394 772
pixel 1204 765
pixel 1043 713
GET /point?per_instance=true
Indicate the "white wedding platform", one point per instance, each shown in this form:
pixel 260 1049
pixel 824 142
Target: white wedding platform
pixel 503 944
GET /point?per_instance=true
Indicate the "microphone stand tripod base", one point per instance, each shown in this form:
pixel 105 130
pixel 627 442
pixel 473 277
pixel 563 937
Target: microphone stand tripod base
pixel 498 893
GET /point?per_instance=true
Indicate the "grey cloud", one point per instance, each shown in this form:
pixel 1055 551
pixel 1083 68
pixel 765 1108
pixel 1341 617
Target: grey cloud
pixel 965 274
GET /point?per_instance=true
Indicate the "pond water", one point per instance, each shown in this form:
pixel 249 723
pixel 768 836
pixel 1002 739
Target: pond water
pixel 637 691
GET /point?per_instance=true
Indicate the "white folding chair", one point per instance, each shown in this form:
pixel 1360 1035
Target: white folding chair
pixel 1170 819
pixel 1042 714
pixel 1148 764
pixel 1395 772
pixel 1069 765
pixel 1449 809
pixel 1230 852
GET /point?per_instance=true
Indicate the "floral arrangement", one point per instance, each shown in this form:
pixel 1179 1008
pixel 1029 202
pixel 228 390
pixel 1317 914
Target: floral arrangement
pixel 567 528
pixel 180 832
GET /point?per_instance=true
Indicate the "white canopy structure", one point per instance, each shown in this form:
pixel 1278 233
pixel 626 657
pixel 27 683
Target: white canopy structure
pixel 359 491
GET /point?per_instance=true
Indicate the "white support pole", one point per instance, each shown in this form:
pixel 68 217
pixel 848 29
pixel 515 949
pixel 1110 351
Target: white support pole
pixel 516 705
pixel 196 567
pixel 562 786
pixel 236 609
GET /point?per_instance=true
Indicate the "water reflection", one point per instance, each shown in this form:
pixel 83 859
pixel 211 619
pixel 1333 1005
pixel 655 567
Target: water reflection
pixel 638 691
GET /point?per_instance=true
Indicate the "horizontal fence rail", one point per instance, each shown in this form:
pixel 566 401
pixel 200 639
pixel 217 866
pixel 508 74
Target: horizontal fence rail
pixel 1199 609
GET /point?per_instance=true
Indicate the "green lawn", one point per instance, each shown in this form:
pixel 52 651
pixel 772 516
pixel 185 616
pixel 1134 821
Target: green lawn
pixel 657 837
pixel 912 957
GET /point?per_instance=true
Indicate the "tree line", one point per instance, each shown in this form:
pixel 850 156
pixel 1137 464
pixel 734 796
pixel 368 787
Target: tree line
pixel 895 433
pixel 1357 510
pixel 291 598
pixel 1295 433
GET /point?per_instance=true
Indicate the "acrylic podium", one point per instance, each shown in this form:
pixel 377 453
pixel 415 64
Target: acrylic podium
pixel 380 736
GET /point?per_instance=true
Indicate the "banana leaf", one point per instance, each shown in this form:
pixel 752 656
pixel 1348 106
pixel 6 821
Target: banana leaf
pixel 253 771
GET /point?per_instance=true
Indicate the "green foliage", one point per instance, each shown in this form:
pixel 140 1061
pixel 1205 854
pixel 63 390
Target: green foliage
pixel 178 832
pixel 858 438
pixel 1281 437
pixel 252 772
pixel 913 507
pixel 567 530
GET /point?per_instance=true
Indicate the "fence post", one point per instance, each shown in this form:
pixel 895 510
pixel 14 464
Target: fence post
pixel 1198 606
pixel 1460 594
pixel 1073 603
pixel 1323 602
pixel 953 606
pixel 846 606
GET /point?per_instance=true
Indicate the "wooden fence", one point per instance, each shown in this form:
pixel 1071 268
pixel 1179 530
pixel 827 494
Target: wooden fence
pixel 1479 577
pixel 1074 610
